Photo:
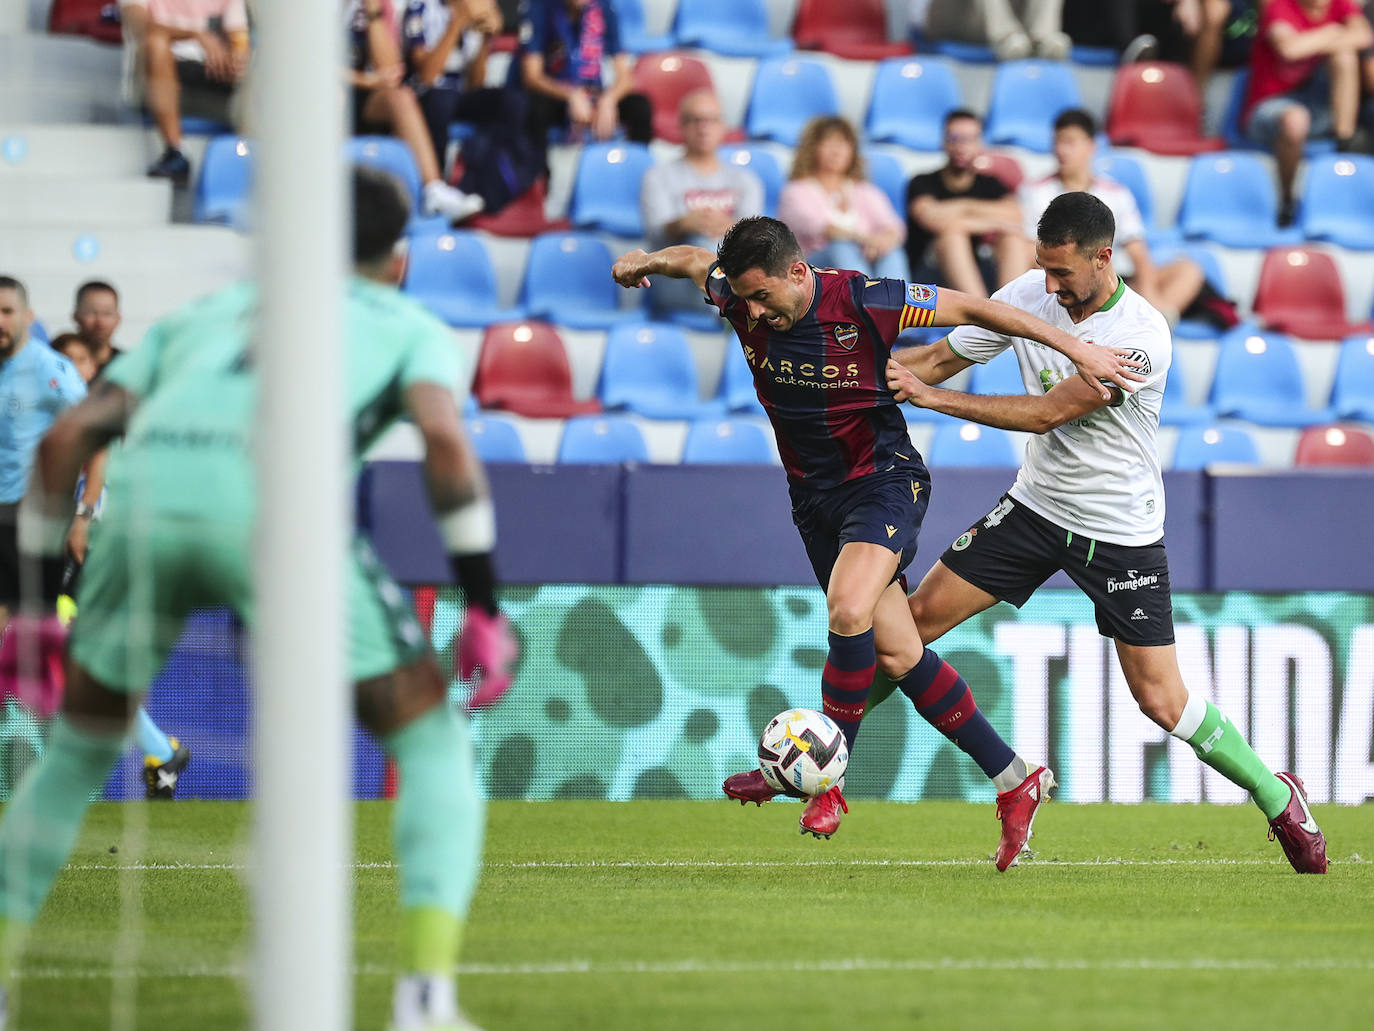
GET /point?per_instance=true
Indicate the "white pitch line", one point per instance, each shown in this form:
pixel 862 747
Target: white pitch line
pixel 719 967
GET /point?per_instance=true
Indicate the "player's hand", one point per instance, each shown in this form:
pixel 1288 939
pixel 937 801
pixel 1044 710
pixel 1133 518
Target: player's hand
pixel 630 270
pixel 487 650
pixel 904 384
pixel 580 110
pixel 1101 367
pixel 77 539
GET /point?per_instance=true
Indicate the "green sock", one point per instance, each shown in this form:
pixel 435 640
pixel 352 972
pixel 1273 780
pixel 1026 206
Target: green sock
pixel 44 816
pixel 439 823
pixel 1221 746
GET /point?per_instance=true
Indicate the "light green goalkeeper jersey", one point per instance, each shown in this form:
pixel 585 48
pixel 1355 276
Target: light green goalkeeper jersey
pixel 189 449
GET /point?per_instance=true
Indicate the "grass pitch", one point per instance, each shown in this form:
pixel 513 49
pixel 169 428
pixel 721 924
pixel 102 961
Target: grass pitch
pixel 691 915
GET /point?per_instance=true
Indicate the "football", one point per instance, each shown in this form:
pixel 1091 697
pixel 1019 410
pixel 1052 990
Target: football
pixel 802 752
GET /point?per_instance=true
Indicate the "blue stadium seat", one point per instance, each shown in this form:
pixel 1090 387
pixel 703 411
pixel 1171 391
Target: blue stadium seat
pixel 390 155
pixel 1258 379
pixel 1193 329
pixel 737 28
pixel 648 369
pixel 495 440
pixel 1230 198
pixel 1130 173
pixel 601 440
pixel 605 192
pixel 451 273
pixel 1338 201
pixel 568 282
pixel 1026 98
pixel 1201 446
pixel 224 189
pixel 1352 391
pixel 1174 409
pixel 764 164
pixel 909 101
pixel 969 444
pixel 788 92
pixel 1000 376
pixel 633 37
pixel 737 391
pixel 887 173
pixel 1230 121
pixel 728 442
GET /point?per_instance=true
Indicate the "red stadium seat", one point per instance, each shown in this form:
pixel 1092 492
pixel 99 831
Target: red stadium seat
pixel 1335 445
pixel 1158 107
pixel 86 18
pixel 1300 293
pixel 1000 166
pixel 523 368
pixel 856 30
pixel 665 79
pixel 523 216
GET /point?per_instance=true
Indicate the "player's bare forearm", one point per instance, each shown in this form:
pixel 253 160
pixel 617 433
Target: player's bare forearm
pixel 681 261
pixel 453 474
pixel 1027 413
pixel 95 478
pixel 931 363
pixel 1098 366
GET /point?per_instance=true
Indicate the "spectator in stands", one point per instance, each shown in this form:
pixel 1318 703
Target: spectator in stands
pixel 96 314
pixel 957 218
pixel 696 198
pixel 1013 28
pixel 1304 81
pixel 78 352
pixel 559 63
pixel 1199 33
pixel 383 103
pixel 840 218
pixel 1175 288
pixel 199 45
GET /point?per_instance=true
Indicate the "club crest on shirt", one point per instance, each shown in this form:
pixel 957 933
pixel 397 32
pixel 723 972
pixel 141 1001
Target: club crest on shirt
pixel 846 335
pixel 1142 358
pixel 919 293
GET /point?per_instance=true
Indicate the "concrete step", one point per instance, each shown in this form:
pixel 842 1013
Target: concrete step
pixel 106 253
pixel 28 200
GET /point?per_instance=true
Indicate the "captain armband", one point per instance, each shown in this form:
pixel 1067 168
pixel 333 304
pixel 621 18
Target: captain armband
pixel 40 532
pixel 469 530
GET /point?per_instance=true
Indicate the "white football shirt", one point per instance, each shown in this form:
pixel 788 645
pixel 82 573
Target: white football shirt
pixel 1035 198
pixel 1098 476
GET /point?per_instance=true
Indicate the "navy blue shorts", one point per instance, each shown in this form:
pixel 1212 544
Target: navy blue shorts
pixel 882 508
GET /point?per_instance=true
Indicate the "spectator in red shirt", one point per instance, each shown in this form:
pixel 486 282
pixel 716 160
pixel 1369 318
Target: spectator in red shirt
pixel 1304 81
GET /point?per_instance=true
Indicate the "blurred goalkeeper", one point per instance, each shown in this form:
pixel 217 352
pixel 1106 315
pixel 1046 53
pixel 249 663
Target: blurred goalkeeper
pixel 181 538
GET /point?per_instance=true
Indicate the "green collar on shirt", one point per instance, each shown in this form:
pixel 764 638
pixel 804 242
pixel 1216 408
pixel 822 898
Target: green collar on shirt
pixel 1116 295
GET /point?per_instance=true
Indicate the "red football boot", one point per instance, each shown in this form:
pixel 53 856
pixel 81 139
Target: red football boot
pixel 1297 832
pixel 1016 809
pixel 749 787
pixel 821 817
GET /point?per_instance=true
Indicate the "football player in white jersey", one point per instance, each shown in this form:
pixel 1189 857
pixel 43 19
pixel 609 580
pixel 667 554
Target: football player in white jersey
pixel 1088 500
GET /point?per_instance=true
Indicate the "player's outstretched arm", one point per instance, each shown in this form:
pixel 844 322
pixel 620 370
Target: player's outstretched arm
pixel 1029 413
pixel 682 261
pixel 1098 366
pixel 931 363
pixel 467 524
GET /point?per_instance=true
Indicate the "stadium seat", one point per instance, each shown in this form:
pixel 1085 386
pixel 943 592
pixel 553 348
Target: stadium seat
pixel 523 368
pixel 1334 445
pixel 1258 378
pixel 1300 293
pixel 737 391
pixel 224 189
pixel 568 281
pixel 764 164
pixel 495 440
pixel 1001 166
pixel 788 92
pixel 665 79
pixel 648 369
pixel 1235 137
pixel 887 173
pixel 1130 173
pixel 1352 390
pixel 1230 198
pixel 1201 446
pixel 736 28
pixel 728 442
pixel 1157 106
pixel 524 216
pixel 1026 98
pixel 605 192
pixel 1174 409
pixel 1338 201
pixel 856 29
pixel 602 440
pixel 390 155
pixel 633 38
pixel 450 272
pixel 999 377
pixel 98 19
pixel 968 444
pixel 1194 329
pixel 909 101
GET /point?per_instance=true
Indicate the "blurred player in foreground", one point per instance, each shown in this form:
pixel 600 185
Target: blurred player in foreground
pixel 180 537
pixel 1089 499
pixel 818 341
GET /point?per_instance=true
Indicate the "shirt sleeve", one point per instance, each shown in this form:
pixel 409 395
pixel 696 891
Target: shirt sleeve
pixel 137 371
pixel 413 27
pixel 68 386
pixel 434 357
pixel 982 345
pixel 658 204
pixel 1129 225
pixel 612 41
pixel 534 27
pixel 718 287
pixel 894 305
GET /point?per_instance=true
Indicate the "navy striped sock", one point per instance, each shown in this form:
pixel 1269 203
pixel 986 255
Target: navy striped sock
pixel 945 702
pixel 848 675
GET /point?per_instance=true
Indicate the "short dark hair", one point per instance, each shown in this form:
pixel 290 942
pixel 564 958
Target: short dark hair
pixel 10 283
pixel 1077 218
pixel 94 286
pixel 380 214
pixel 62 341
pixel 758 242
pixel 1076 118
pixel 963 112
